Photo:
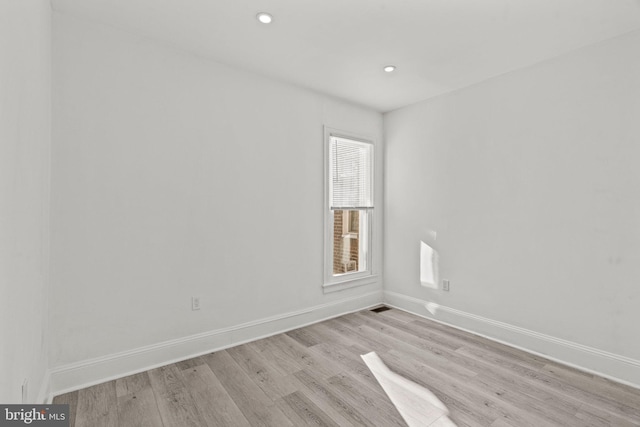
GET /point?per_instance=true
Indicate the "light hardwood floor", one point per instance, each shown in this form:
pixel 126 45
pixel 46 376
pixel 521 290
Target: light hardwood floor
pixel 315 376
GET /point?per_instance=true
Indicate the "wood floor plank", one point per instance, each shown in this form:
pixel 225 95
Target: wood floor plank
pixel 397 340
pixel 349 358
pixel 467 339
pixel 553 407
pixel 296 420
pixel 397 315
pixel 132 384
pixel 380 411
pixel 278 360
pixel 305 412
pixel 70 399
pixel 322 402
pixel 593 415
pixel 630 413
pixel 454 392
pixel 498 377
pixel 315 376
pixel 502 423
pixel 298 355
pixel 622 387
pixel 351 319
pixel 561 411
pixel 97 406
pixel 190 363
pixel 348 336
pixel 214 404
pixel 305 336
pixel 175 404
pixel 392 338
pixel 411 328
pixel 256 406
pixel 513 393
pixel 328 334
pixel 139 409
pixel 588 382
pixel 325 392
pixel 262 372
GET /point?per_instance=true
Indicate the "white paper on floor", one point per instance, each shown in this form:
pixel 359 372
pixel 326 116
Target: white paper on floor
pixel 417 405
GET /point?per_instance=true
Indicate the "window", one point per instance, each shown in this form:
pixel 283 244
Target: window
pixel 348 210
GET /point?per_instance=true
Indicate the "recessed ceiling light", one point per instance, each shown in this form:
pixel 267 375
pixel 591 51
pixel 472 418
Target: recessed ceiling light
pixel 389 68
pixel 264 17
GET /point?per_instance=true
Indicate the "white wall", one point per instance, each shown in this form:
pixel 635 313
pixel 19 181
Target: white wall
pixel 25 136
pixel 531 181
pixel 176 176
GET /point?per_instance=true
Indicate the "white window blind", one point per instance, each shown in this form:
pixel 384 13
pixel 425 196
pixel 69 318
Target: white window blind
pixel 351 167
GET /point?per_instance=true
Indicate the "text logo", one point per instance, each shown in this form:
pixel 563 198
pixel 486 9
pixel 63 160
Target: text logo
pixel 34 415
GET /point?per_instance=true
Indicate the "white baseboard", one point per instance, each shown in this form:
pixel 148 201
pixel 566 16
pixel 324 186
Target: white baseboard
pixel 609 365
pixel 75 376
pixel 44 394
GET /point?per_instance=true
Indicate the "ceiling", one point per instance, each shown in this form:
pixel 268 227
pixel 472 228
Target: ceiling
pixel 339 47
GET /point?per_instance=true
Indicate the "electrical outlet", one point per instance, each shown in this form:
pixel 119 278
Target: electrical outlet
pixel 195 303
pixel 25 390
pixel 445 285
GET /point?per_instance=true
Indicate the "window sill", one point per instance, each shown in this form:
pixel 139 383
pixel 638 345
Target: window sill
pixel 349 283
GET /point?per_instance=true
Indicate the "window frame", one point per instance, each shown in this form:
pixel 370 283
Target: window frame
pixel 343 281
pixel 346 224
